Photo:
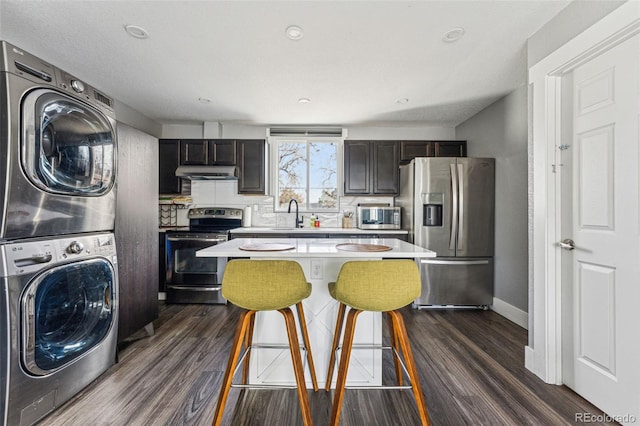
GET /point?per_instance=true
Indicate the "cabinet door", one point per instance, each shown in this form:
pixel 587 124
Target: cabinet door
pixel 222 152
pixel 451 149
pixel 168 162
pixel 194 152
pixel 251 166
pixel 412 149
pixel 357 167
pixel 385 170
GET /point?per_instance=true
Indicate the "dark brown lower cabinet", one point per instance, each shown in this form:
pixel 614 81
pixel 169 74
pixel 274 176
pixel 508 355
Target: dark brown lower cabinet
pixel 136 230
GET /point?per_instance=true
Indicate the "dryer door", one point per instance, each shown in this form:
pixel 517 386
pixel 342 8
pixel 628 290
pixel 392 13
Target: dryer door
pixel 66 311
pixel 67 147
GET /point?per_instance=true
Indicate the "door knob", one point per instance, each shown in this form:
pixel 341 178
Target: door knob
pixel 567 244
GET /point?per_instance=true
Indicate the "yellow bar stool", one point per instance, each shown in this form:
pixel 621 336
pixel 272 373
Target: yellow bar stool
pixel 380 286
pixel 266 285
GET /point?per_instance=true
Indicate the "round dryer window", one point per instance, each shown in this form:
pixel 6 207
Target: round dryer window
pixel 67 147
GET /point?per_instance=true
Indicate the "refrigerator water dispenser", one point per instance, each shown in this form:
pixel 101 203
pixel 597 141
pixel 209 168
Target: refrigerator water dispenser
pixel 432 209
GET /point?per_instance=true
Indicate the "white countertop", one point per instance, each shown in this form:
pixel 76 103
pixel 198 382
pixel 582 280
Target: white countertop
pixel 321 230
pixel 311 248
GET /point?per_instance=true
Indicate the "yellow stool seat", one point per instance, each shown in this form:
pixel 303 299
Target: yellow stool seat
pixel 379 286
pixel 266 285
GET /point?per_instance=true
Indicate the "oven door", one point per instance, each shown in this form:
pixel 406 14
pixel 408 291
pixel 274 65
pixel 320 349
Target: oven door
pixel 192 279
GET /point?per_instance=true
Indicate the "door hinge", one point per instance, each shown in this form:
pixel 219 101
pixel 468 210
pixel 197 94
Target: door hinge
pixel 564 147
pixel 553 167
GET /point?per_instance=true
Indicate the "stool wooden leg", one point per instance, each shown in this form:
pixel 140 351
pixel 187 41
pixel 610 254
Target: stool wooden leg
pixel 298 368
pixel 347 343
pixel 243 323
pixel 334 345
pixel 396 350
pixel 401 333
pixel 248 339
pixel 307 345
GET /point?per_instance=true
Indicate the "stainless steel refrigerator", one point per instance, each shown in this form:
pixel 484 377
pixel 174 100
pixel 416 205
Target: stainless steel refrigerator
pixel 448 207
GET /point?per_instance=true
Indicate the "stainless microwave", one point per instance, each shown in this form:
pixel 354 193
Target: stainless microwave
pixel 378 217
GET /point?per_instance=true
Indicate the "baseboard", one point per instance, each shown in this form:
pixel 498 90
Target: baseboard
pixel 511 313
pixel 528 359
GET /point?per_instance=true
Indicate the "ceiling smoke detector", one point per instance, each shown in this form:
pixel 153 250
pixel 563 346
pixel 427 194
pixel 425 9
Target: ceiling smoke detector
pixel 294 32
pixel 136 31
pixel 402 101
pixel 304 100
pixel 453 35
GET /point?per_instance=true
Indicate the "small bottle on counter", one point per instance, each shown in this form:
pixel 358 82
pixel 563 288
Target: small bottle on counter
pixel 312 220
pixel 317 223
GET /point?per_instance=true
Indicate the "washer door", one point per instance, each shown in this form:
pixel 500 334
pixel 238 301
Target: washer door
pixel 66 311
pixel 67 147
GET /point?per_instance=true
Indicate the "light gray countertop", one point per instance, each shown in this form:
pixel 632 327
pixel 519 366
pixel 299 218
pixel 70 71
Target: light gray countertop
pixel 320 248
pixel 321 230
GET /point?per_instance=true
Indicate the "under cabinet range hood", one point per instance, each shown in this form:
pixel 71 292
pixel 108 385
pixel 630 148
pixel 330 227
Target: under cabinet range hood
pixel 207 172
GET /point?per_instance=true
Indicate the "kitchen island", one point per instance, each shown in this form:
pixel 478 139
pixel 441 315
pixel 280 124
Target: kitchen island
pixel 321 260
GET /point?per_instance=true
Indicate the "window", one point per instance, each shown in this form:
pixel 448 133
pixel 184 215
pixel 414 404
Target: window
pixel 307 171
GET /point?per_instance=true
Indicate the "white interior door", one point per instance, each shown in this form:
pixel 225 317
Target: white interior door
pixel 600 214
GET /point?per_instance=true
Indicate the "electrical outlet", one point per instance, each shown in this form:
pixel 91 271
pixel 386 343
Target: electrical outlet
pixel 316 269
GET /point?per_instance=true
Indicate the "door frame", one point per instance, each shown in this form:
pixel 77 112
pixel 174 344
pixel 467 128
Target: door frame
pixel 543 354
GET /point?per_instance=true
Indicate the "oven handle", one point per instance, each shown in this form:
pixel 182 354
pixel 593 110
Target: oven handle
pixel 195 288
pixel 206 240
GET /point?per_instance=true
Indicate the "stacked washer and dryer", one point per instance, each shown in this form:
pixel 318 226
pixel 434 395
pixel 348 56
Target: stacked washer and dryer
pixel 58 268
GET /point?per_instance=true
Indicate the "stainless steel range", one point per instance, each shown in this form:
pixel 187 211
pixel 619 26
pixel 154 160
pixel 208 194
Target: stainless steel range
pixel 192 279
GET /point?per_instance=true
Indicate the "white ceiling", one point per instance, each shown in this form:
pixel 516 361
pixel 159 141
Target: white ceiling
pixel 356 59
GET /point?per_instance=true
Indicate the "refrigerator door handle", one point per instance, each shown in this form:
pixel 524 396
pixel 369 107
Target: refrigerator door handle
pixel 461 225
pixel 454 262
pixel 454 211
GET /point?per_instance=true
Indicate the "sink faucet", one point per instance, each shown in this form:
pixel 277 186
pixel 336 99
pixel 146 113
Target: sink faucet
pixel 298 222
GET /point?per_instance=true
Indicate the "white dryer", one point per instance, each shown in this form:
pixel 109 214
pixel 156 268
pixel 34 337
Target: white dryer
pixel 57 151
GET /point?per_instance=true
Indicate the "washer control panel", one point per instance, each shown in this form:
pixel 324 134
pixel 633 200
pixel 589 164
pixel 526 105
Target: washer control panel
pixel 23 257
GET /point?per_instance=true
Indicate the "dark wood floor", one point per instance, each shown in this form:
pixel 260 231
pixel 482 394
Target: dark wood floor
pixel 470 362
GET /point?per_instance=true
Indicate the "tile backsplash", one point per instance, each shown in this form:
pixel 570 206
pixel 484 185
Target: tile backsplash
pixel 224 193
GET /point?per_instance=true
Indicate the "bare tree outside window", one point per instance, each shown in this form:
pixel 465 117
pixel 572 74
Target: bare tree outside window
pixel 308 173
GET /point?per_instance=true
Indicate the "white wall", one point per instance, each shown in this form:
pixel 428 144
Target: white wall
pixel 128 115
pixel 242 131
pixel 571 21
pixel 500 131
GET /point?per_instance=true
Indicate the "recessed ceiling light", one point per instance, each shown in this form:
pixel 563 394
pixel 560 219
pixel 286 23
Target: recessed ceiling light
pixel 294 32
pixel 453 35
pixel 204 100
pixel 304 100
pixel 136 31
pixel 402 101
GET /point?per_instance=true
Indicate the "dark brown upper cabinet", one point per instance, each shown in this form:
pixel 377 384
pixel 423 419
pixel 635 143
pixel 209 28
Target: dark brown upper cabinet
pixel 371 168
pixel 194 152
pixel 250 159
pixel 203 152
pixel 169 160
pixel 222 152
pixel 412 149
pixel 450 149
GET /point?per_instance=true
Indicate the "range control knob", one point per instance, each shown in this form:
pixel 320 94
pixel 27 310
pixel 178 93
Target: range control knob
pixel 77 86
pixel 75 248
